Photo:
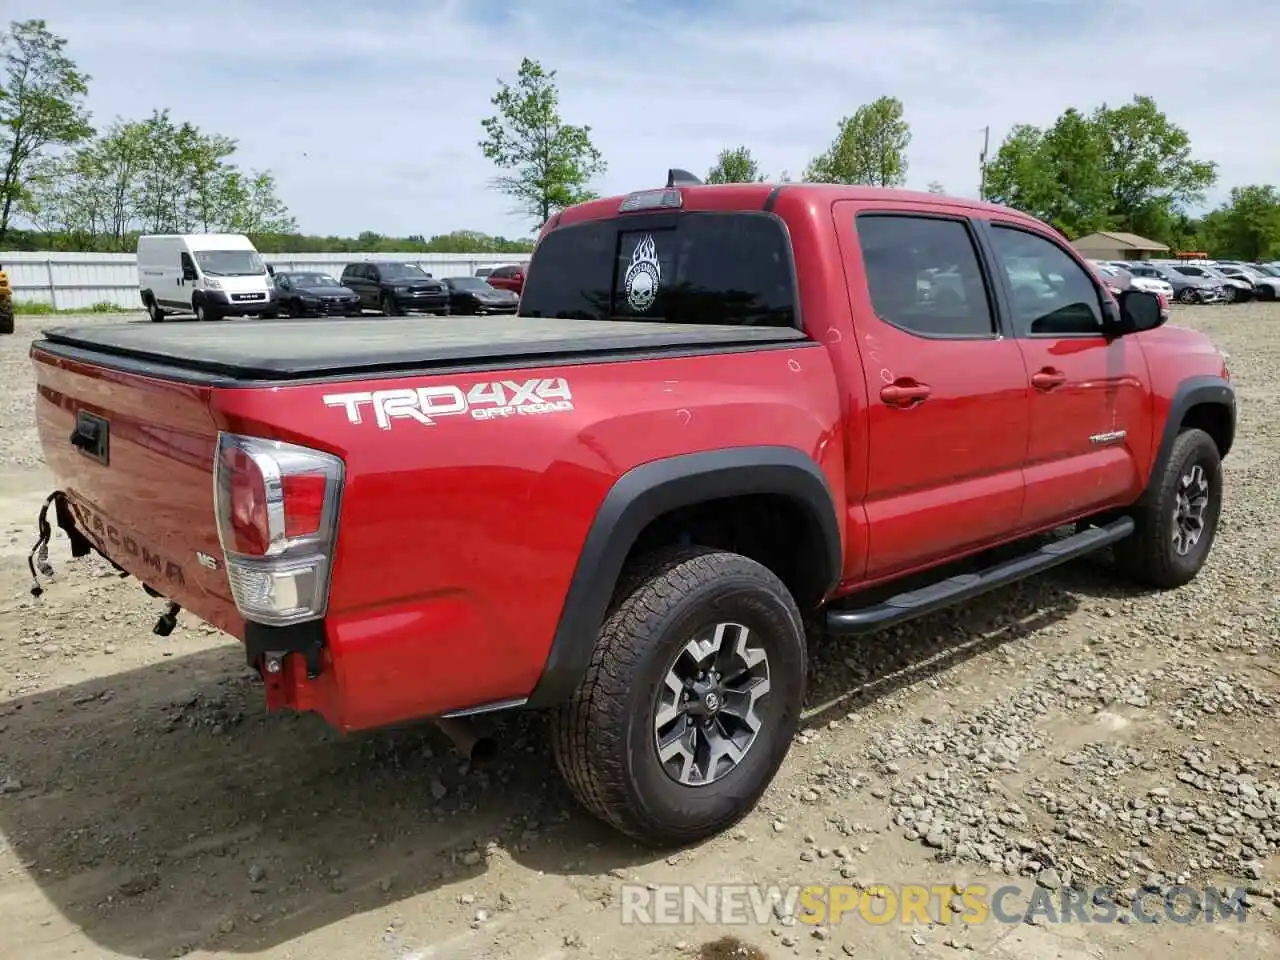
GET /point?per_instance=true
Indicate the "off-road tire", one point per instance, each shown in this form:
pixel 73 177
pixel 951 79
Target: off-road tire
pixel 603 737
pixel 1148 556
pixel 6 314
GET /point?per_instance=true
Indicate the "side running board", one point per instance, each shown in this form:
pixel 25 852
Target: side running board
pixel 966 586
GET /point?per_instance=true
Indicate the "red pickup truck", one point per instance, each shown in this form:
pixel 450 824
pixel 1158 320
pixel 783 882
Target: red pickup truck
pixel 722 411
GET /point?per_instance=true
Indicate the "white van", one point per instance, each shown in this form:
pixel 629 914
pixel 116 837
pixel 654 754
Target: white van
pixel 212 275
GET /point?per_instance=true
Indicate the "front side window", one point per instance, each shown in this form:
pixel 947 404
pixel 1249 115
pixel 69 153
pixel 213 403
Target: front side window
pixel 923 275
pixel 695 267
pixel 1051 293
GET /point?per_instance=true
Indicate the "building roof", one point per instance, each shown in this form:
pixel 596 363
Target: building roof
pixel 1126 240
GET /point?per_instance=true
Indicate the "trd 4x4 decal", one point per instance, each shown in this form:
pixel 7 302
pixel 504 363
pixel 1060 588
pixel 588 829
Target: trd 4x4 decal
pixel 483 401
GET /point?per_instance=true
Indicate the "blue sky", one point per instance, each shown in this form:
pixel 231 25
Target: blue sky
pixel 369 113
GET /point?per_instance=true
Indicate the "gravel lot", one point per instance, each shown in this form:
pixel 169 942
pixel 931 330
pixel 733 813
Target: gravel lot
pixel 1066 732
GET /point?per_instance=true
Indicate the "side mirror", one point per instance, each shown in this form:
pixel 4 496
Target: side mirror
pixel 1140 310
pixel 189 273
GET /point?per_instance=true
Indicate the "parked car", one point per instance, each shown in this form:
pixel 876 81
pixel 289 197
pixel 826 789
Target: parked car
pixel 396 288
pixel 1116 279
pixel 307 293
pixel 212 275
pixel 1265 286
pixel 483 272
pixel 1233 289
pixel 471 295
pixel 509 277
pixel 1186 289
pixel 1154 285
pixel 624 504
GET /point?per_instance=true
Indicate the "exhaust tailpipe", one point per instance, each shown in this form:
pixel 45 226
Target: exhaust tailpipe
pixel 467 739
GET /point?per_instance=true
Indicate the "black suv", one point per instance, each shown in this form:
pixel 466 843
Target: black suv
pixel 396 288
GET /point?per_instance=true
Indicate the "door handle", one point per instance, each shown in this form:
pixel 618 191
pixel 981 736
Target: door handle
pixel 905 393
pixel 1048 378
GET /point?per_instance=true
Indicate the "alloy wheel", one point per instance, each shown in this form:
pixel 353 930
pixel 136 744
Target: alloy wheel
pixel 709 707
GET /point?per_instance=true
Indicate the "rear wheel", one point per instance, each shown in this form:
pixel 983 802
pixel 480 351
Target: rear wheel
pixel 389 306
pixel 154 311
pixel 1178 519
pixel 691 698
pixel 1187 295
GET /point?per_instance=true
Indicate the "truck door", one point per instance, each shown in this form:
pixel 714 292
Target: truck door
pixel 947 419
pixel 1091 405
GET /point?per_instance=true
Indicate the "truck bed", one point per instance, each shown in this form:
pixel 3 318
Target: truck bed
pixel 274 350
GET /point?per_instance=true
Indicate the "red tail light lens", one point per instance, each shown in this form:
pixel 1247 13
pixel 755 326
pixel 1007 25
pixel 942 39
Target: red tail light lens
pixel 276 506
pixel 304 504
pixel 249 527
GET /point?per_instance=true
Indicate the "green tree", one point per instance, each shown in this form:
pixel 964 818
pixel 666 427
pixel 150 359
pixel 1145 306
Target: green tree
pixel 552 162
pixel 41 105
pixel 735 165
pixel 215 188
pixel 1150 167
pixel 870 148
pixel 254 207
pixel 1124 168
pixel 1247 226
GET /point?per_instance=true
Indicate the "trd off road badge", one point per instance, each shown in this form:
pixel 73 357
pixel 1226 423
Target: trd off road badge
pixel 643 275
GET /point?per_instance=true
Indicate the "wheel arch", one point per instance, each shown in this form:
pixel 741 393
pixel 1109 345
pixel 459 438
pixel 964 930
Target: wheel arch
pixel 647 496
pixel 1207 403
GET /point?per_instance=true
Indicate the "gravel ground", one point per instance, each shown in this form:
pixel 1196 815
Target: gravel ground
pixel 1068 732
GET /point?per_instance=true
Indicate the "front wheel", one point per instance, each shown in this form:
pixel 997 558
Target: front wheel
pixel 1178 519
pixel 205 312
pixel 691 699
pixel 389 306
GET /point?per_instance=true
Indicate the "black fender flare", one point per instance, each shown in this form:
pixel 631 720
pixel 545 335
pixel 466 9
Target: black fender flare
pixel 645 493
pixel 1192 392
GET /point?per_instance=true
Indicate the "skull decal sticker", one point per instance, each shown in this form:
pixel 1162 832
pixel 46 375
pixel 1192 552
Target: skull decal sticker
pixel 643 275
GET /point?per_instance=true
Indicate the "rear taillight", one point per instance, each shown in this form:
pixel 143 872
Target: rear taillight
pixel 276 506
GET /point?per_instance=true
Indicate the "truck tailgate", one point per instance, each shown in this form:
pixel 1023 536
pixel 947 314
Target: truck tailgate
pixel 144 493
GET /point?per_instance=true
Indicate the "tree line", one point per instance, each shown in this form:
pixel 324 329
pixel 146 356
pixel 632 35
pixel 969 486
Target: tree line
pixel 80 188
pixel 1121 168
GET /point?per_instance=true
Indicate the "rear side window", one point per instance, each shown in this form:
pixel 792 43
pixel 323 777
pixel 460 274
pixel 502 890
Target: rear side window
pixel 712 268
pixel 923 275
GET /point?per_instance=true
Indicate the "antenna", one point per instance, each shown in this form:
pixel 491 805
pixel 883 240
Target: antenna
pixel 681 178
pixel 982 162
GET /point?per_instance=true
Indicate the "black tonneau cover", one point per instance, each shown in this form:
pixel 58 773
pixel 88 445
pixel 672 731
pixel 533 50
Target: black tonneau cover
pixel 306 349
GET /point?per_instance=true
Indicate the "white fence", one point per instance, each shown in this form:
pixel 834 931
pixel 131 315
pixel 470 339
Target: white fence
pixel 77 281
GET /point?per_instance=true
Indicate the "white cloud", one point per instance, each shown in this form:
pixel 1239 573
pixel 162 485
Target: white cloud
pixel 370 117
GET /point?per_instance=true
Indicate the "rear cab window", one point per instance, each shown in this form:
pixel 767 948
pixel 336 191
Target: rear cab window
pixel 924 276
pixel 700 267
